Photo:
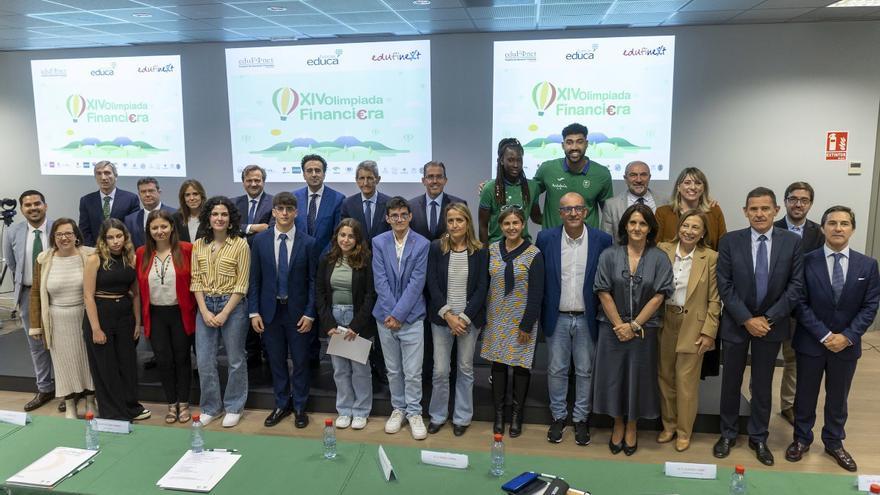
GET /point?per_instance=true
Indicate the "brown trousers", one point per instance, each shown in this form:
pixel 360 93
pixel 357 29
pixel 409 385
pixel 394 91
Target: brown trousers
pixel 678 374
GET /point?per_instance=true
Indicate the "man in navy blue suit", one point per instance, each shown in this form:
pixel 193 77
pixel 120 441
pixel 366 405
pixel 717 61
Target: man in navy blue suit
pixel 842 293
pixel 107 202
pixel 428 210
pixel 281 303
pixel 760 280
pixel 322 206
pixel 571 255
pixel 151 199
pixel 255 206
pixel 367 207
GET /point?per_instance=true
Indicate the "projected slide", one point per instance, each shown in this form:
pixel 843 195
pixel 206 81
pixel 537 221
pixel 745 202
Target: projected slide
pixel 347 103
pixel 620 88
pixel 124 109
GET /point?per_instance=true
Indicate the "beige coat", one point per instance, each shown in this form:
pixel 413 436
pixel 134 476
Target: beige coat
pixel 41 322
pixel 702 306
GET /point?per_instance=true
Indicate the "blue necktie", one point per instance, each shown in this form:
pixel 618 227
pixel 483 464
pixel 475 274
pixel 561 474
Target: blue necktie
pixel 313 212
pixel 762 272
pixel 837 277
pixel 432 224
pixel 252 212
pixel 368 216
pixel 283 267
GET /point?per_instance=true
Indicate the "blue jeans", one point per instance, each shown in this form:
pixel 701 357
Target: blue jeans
pixel 233 334
pixel 404 350
pixel 354 381
pixel 570 339
pixel 464 381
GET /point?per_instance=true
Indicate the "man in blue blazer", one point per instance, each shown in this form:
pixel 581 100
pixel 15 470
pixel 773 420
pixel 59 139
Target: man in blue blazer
pixel 281 303
pixel 255 206
pixel 842 293
pixel 367 207
pixel 151 198
pixel 400 261
pixel 571 255
pixel 322 206
pixel 760 280
pixel 107 202
pixel 428 210
pixel 21 244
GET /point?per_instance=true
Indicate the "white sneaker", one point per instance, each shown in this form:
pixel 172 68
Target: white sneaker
pixel 358 423
pixel 417 427
pixel 231 419
pixel 343 422
pixel 394 422
pixel 206 419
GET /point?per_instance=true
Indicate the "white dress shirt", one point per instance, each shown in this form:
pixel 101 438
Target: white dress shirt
pixel 399 246
pixel 756 243
pixel 290 233
pixel 681 274
pixel 27 276
pixel 829 262
pixel 631 199
pixel 574 266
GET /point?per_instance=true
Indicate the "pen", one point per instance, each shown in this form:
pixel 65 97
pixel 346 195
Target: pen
pixel 77 470
pixel 222 450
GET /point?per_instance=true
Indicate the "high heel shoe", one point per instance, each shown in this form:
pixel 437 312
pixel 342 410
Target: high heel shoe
pixel 615 448
pixel 630 450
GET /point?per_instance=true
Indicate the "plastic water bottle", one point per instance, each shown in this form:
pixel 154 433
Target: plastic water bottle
pixel 738 481
pixel 197 439
pixel 91 431
pixel 497 468
pixel 329 439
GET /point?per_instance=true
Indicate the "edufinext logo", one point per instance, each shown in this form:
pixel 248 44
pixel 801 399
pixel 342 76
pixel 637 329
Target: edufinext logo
pixel 53 72
pixel 645 52
pixel 156 68
pixel 397 56
pixel 520 56
pixel 256 61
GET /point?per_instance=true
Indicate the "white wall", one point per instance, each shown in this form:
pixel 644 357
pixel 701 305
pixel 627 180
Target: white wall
pixel 751 105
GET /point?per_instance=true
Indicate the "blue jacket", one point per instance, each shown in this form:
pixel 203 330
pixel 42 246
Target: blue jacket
pixel 263 214
pixel 353 207
pixel 550 243
pixel 329 214
pixel 134 222
pixel 263 292
pixel 400 290
pixel 91 212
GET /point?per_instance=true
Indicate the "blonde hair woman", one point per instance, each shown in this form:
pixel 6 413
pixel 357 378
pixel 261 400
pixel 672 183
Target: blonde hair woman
pixel 691 193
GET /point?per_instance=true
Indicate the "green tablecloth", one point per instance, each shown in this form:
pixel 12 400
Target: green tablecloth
pixel 131 464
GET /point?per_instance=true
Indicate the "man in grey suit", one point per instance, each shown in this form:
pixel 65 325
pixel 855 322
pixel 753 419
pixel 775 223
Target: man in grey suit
pixel 23 242
pixel 637 176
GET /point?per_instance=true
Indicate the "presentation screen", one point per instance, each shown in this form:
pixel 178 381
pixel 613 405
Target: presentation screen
pixel 620 88
pixel 128 110
pixel 346 102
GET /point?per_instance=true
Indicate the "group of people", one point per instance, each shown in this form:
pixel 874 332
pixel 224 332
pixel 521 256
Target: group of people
pixel 636 296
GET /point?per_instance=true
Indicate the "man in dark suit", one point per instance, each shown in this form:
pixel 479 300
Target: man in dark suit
pixel 281 303
pixel 798 200
pixel 760 280
pixel 151 199
pixel 842 293
pixel 255 206
pixel 107 202
pixel 428 210
pixel 322 205
pixel 571 255
pixel 367 207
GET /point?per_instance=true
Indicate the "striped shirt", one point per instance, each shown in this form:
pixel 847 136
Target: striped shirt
pixel 456 284
pixel 225 271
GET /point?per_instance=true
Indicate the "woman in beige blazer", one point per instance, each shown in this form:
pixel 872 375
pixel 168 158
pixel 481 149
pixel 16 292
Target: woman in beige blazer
pixel 690 324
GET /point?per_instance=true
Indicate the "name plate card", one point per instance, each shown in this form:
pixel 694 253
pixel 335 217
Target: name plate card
pixel 13 417
pixel 866 480
pixel 690 470
pixel 385 464
pixel 113 426
pixel 445 459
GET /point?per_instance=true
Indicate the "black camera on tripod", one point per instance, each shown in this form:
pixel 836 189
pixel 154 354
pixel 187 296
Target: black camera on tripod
pixel 7 210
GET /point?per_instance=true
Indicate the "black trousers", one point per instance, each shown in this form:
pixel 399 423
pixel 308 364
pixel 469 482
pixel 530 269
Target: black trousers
pixel 171 345
pixel 114 363
pixel 763 363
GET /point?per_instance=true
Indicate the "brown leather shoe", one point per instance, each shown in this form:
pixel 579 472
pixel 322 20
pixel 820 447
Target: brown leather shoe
pixel 843 458
pixel 39 400
pixel 788 414
pixel 682 444
pixel 796 451
pixel 665 436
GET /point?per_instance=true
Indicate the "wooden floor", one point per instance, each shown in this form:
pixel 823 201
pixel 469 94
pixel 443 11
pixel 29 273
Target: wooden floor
pixel 862 428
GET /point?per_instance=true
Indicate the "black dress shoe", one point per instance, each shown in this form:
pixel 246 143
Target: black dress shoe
pixel 630 449
pixel 581 433
pixel 615 448
pixel 458 430
pixel 796 451
pixel 762 452
pixel 843 458
pixel 722 447
pixel 276 416
pixel 62 406
pixel 39 400
pixel 300 419
pixel 788 414
pixel 435 427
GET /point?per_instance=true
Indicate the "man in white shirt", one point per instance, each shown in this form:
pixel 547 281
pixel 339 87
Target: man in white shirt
pixel 637 176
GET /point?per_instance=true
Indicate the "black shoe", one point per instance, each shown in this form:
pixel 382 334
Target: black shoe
pixel 315 364
pixel 630 449
pixel 150 363
pixel 557 428
pixel 498 424
pixel 516 422
pixel 582 433
pixel 788 414
pixel 722 447
pixel 39 400
pixel 300 419
pixel 615 448
pixel 435 427
pixel 843 458
pixel 254 362
pixel 62 406
pixel 275 417
pixel 762 452
pixel 458 430
pixel 796 451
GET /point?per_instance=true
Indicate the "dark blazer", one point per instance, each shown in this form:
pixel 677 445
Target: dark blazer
pixel 182 228
pixel 263 214
pixel 736 284
pixel 329 214
pixel 550 243
pixel 852 315
pixel 262 291
pixel 363 296
pixel 353 207
pixel 419 221
pixel 477 284
pixel 134 222
pixel 91 212
pixel 813 237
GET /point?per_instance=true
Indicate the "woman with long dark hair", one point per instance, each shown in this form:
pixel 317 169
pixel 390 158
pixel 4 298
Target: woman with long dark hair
pixel 509 188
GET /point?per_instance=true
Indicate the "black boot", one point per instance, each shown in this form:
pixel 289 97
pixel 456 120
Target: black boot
pixel 521 379
pixel 499 388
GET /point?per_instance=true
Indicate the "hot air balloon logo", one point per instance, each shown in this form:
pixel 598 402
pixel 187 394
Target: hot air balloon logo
pixel 76 106
pixel 543 95
pixel 285 101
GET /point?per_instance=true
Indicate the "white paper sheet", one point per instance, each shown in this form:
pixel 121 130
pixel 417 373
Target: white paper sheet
pixel 198 472
pixel 52 468
pixel 356 350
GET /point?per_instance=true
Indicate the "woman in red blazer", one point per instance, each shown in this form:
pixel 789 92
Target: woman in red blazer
pixel 168 308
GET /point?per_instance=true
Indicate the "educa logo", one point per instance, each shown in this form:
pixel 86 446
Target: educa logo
pixel 585 54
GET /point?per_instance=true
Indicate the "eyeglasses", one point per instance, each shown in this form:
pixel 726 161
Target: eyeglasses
pixel 399 217
pixel 435 177
pixel 284 209
pixel 511 207
pixel 567 210
pixel 64 235
pixel 798 201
